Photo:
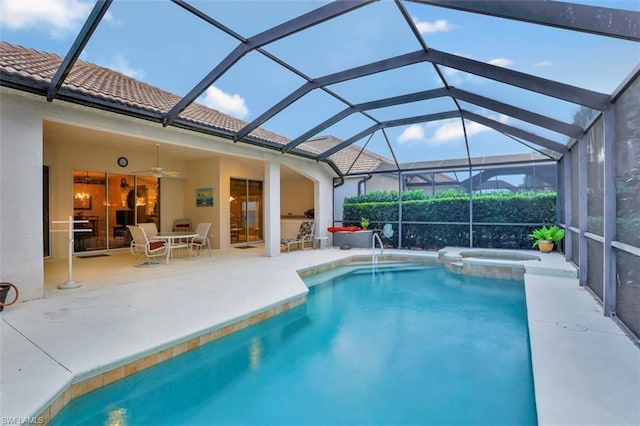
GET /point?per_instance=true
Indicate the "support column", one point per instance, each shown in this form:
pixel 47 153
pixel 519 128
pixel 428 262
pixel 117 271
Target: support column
pixel 400 188
pixel 323 205
pixel 272 208
pixel 568 206
pixel 583 208
pixel 470 207
pixel 609 267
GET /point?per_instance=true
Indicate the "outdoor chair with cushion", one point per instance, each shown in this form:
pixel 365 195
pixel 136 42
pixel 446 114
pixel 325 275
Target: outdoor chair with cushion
pixel 153 247
pixel 305 234
pixel 150 230
pixel 202 240
pixel 182 225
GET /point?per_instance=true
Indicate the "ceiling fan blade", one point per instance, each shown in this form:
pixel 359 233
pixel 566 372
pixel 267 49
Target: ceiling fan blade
pixel 157 171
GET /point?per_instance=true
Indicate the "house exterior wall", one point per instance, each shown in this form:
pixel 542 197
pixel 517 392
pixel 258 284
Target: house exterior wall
pixel 350 189
pixel 21 242
pixel 296 196
pixel 26 146
pixel 205 174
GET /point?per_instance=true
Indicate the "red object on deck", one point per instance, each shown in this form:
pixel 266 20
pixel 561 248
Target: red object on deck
pixel 343 229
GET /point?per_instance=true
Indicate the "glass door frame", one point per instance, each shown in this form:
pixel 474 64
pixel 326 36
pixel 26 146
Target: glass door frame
pixel 246 206
pixel 102 198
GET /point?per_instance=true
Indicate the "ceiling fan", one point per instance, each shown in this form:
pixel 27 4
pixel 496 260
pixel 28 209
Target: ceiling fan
pixel 157 171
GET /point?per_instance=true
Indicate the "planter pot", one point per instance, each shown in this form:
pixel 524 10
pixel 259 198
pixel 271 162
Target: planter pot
pixel 545 246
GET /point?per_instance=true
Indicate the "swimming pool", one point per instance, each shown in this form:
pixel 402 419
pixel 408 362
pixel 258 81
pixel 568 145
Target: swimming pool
pixel 417 346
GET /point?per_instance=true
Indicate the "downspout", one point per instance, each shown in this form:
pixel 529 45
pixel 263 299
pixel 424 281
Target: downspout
pixel 362 182
pixel 337 182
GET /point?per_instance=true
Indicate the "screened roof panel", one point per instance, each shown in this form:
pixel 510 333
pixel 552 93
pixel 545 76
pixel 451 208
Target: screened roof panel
pixel 399 81
pixel 522 98
pixel 359 36
pixel 159 57
pixel 365 52
pixel 485 142
pixel 348 127
pixel 305 113
pixel 376 144
pixel 251 86
pixel 511 121
pixel 251 17
pixel 435 140
pixel 430 106
pixel 530 48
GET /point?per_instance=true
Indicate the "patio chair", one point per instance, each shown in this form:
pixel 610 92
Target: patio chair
pixel 305 234
pixel 153 248
pixel 182 225
pixel 150 230
pixel 202 239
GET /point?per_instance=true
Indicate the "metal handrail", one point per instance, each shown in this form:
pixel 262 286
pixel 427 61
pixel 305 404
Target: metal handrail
pixel 374 258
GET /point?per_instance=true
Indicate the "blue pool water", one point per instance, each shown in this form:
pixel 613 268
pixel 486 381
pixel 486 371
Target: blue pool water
pixel 420 346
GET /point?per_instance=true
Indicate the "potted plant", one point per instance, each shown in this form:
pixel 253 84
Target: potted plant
pixel 364 222
pixel 545 237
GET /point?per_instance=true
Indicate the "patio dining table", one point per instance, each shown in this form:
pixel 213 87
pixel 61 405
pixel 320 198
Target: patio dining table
pixel 176 240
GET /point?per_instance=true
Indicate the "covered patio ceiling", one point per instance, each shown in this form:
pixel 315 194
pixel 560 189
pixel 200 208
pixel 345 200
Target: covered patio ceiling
pixel 410 86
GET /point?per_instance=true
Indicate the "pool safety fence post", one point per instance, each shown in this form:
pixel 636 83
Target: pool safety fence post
pixel 69 284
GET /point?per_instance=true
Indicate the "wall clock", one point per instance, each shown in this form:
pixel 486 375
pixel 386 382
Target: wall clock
pixel 123 162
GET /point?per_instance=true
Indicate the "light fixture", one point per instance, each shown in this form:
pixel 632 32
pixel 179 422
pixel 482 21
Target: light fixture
pixel 82 196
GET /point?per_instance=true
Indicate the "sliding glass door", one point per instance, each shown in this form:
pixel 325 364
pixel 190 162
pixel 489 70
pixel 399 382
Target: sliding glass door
pixel 246 210
pixel 110 202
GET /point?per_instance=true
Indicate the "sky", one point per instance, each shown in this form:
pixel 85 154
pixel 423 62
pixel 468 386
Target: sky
pixel 161 44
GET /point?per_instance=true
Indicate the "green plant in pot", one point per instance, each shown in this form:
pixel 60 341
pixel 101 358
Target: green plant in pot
pixel 544 238
pixel 364 222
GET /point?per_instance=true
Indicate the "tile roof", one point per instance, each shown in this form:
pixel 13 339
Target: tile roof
pixel 111 86
pixel 344 159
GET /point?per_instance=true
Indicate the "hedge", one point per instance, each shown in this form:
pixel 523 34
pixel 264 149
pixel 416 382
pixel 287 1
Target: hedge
pixel 451 206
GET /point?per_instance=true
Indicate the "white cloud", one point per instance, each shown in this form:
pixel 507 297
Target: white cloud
pixel 441 25
pixel 446 131
pixel 57 17
pixel 543 64
pixel 412 133
pixel 232 104
pixel 452 129
pixel 501 62
pixel 120 64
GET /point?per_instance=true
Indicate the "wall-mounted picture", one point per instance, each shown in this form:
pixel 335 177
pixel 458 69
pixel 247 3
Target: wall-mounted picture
pixel 82 202
pixel 204 197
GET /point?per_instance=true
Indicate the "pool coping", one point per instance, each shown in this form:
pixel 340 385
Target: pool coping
pixel 117 370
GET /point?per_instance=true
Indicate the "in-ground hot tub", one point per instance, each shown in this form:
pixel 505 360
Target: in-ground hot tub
pixel 485 262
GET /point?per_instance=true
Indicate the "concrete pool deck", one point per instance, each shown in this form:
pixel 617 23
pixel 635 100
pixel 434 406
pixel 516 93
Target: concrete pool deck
pixel 586 370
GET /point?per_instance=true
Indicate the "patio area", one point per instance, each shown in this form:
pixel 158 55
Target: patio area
pixel 123 314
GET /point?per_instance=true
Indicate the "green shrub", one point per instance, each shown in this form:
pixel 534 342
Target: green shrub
pixel 535 208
